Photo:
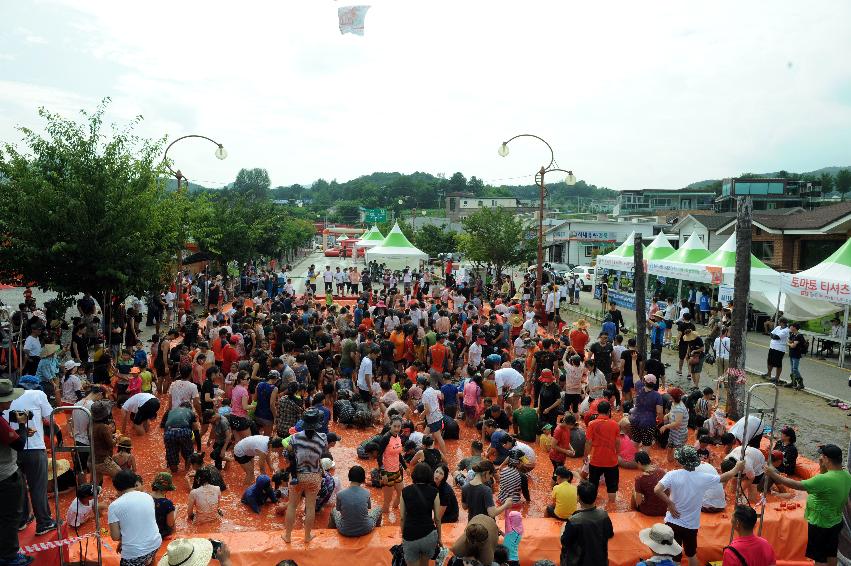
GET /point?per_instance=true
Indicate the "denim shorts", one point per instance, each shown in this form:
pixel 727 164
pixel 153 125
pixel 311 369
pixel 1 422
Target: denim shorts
pixel 421 548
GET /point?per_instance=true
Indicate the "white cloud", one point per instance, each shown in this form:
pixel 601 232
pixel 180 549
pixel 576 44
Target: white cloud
pixel 630 95
pixel 31 37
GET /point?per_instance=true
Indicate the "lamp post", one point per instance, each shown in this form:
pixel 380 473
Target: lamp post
pixel 570 179
pixel 220 153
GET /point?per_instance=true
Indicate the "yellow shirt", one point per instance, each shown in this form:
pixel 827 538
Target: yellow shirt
pixel 564 495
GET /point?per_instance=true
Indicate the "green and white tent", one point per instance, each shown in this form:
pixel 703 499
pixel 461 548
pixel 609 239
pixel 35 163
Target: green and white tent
pixel 721 268
pixel 395 251
pixel 659 248
pixel 683 263
pixel 621 258
pixel 828 281
pixel 370 238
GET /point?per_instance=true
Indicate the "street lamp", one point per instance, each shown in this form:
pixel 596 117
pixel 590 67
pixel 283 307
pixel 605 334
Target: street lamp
pixel 220 153
pixel 570 180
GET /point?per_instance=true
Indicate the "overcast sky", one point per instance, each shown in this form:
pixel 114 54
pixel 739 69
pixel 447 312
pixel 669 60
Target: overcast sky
pixel 630 95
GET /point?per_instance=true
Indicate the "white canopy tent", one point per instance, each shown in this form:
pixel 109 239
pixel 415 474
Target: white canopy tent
pixel 396 251
pixel 370 238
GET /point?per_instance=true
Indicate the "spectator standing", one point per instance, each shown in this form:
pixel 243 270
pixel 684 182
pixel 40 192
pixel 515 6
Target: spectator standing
pixel 32 460
pixel 419 512
pixel 585 537
pixel 602 446
pixel 11 484
pixel 827 493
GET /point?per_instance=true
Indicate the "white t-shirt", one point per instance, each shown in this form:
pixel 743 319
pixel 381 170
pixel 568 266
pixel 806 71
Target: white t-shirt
pixel 715 496
pixel 182 391
pixel 596 379
pixel 687 491
pixel 519 347
pixel 169 299
pixel 252 445
pixel 328 276
pixel 70 385
pixel 139 533
pixel 755 427
pixel 754 460
pixel 35 401
pixel 417 437
pixel 81 422
pixel 32 346
pixel 474 354
pixel 508 377
pixel 338 277
pixel 722 348
pixel 528 451
pixel 364 370
pixel 781 344
pixel 431 399
pixel 78 513
pixel 132 404
pixel 670 312
pixel 531 326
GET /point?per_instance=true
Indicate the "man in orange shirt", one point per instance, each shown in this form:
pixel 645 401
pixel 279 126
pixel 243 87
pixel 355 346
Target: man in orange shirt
pixel 602 444
pixel 398 339
pixel 438 357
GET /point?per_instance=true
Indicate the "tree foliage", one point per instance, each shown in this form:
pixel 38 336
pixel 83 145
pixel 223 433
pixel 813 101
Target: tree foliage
pixel 82 209
pixel 253 184
pixel 843 181
pixel 435 240
pixel 495 236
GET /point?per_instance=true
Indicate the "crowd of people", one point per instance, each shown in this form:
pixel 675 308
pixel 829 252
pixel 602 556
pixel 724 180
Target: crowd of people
pixel 266 376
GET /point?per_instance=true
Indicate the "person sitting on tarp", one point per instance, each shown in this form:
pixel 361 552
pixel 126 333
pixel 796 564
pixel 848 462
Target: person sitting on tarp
pixel 259 493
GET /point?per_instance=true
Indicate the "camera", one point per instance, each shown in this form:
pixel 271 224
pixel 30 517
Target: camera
pixel 217 545
pixel 20 417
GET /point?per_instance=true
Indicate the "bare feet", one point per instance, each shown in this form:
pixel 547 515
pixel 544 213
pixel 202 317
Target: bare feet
pixel 308 538
pixel 286 538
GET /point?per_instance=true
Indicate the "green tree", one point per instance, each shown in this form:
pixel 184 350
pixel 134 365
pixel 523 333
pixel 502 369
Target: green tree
pixel 85 210
pixel 346 211
pixel 495 236
pixel 435 240
pixel 826 182
pixel 253 183
pixel 843 181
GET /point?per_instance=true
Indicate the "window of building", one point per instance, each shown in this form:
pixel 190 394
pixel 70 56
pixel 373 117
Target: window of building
pixel 726 187
pixel 452 204
pixel 763 250
pixel 775 188
pixel 493 203
pixel 481 204
pixel 771 205
pixel 814 252
pixel 465 203
pixel 685 203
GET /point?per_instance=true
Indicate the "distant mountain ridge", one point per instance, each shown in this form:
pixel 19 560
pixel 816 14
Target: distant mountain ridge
pixel 833 170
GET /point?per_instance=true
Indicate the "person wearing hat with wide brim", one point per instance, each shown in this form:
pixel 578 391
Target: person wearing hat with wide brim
pixel 194 552
pixel 682 491
pixel 827 493
pixel 660 540
pixel 306 449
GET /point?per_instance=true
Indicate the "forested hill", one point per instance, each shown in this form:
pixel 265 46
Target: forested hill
pixel 422 190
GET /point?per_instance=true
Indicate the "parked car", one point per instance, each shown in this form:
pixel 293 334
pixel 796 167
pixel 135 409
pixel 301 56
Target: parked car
pixel 586 276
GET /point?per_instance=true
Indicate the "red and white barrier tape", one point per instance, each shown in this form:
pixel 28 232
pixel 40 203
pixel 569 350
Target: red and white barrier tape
pixel 48 545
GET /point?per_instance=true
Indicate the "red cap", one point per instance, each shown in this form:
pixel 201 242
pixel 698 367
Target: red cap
pixel 362 328
pixel 546 376
pixel 234 339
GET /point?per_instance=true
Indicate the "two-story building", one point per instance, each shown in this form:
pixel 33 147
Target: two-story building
pixel 769 193
pixel 662 202
pixel 462 205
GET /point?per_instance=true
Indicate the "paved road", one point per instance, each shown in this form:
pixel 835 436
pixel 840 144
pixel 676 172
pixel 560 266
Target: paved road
pixel 821 377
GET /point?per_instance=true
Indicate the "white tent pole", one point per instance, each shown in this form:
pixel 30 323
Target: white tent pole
pixel 679 290
pixel 844 338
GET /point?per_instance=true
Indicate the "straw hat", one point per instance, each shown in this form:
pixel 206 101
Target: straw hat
pixel 658 315
pixel 690 336
pixel 660 539
pixel 581 323
pixel 62 466
pixel 187 552
pixel 49 350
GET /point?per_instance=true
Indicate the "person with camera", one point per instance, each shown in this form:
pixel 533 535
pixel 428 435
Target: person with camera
pixel 196 552
pixel 11 484
pixel 33 408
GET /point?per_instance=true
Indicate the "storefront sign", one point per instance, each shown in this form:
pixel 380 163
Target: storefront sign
pixel 820 289
pixel 725 294
pixel 593 236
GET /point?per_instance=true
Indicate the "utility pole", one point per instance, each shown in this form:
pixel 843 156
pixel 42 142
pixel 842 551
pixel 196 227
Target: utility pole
pixel 741 290
pixel 640 295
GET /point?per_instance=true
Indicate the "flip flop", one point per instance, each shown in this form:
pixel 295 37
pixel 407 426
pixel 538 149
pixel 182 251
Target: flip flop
pixel 844 406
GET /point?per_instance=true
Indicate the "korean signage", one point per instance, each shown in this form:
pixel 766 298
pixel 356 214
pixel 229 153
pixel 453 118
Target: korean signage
pixel 725 294
pixel 593 236
pixel 373 215
pixel 820 289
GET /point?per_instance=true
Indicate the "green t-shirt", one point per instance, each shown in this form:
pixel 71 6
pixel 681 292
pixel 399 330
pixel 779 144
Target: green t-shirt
pixel 180 417
pixel 347 353
pixel 527 423
pixel 828 493
pixel 430 338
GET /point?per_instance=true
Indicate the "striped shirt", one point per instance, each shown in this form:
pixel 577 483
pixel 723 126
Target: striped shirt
pixel 509 484
pixel 308 451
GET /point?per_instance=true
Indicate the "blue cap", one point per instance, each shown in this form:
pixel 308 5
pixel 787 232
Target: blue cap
pixel 29 382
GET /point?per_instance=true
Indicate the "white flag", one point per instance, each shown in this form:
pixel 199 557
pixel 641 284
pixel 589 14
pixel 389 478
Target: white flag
pixel 351 19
